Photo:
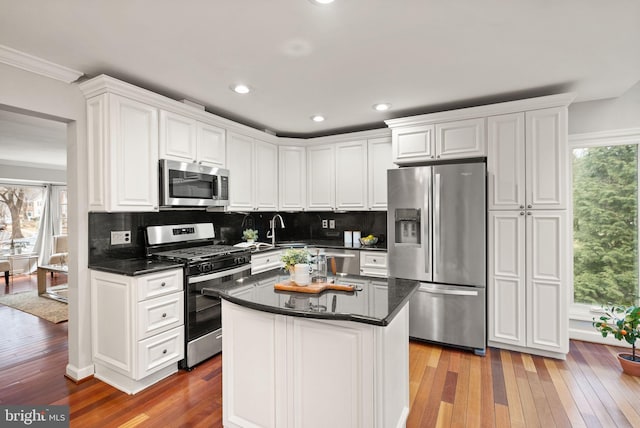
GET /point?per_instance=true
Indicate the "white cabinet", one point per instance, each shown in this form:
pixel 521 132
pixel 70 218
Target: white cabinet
pixel 292 178
pixel 188 140
pixel 379 156
pixel 267 260
pixel 321 191
pixel 122 145
pixel 527 160
pixel 283 371
pixel 447 140
pixel 137 327
pixel 253 174
pixel 528 280
pixel 373 263
pixel 351 175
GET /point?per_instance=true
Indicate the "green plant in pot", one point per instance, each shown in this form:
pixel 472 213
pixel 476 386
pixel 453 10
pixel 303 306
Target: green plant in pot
pixel 250 235
pixel 294 256
pixel 623 322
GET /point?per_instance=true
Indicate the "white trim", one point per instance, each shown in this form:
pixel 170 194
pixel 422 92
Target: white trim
pixel 610 138
pixel 37 65
pixel 79 373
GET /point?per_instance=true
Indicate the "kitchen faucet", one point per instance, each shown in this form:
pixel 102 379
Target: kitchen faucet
pixel 272 233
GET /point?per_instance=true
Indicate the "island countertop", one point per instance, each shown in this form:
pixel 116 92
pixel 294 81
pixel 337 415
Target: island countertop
pixel 376 301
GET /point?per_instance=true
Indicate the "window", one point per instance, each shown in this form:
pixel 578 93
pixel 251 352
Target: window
pixel 20 212
pixel 605 224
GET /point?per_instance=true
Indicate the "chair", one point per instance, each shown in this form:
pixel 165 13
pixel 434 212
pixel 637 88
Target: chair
pixel 60 250
pixel 5 266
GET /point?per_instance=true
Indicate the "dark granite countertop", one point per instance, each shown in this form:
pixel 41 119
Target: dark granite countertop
pixel 319 244
pixel 133 267
pixel 377 301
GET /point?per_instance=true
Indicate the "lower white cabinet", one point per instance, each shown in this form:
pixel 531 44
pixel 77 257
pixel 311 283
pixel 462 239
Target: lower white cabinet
pixel 268 260
pixel 137 327
pixel 282 371
pixel 528 287
pixel 373 263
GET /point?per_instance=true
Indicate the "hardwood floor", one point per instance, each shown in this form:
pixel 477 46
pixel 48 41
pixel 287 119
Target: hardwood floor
pixel 448 387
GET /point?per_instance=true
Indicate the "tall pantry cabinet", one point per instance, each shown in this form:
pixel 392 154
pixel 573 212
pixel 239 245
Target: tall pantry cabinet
pixel 528 288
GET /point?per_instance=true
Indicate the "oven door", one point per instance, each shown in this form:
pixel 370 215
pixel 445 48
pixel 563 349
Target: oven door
pixel 188 184
pixel 204 312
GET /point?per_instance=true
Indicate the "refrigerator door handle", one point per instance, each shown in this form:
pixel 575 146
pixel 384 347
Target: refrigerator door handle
pixel 436 223
pixel 432 289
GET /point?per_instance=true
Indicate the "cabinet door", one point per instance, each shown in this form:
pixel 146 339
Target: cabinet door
pixel 177 137
pixel 547 288
pixel 506 162
pixel 240 164
pixel 292 183
pixel 460 139
pixel 379 156
pixel 507 286
pixel 351 175
pixel 546 152
pixel 413 144
pixel 320 178
pixel 265 192
pixel 133 156
pixel 211 142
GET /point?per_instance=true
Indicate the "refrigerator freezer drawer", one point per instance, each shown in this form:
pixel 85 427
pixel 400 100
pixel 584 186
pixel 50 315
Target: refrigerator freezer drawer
pixel 453 315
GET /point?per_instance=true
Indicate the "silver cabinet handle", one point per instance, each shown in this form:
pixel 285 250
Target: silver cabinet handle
pixel 448 292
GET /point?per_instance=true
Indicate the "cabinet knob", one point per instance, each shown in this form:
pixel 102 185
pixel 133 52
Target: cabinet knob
pixel 521 207
pixel 164 351
pixel 432 156
pixel 529 206
pixel 375 261
pixel 268 260
pixel 164 315
pixel 528 212
pixel 438 156
pixel 163 284
pixel 521 212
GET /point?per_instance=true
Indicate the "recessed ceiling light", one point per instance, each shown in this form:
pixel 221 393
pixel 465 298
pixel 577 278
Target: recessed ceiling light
pixel 240 89
pixel 322 1
pixel 317 118
pixel 382 106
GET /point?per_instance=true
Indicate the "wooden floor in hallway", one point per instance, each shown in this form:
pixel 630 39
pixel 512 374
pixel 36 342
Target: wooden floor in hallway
pixel 448 387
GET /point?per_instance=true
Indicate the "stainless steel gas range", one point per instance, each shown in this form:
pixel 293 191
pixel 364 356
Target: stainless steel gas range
pixel 206 265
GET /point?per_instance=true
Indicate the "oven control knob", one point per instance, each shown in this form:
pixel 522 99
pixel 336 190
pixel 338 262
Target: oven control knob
pixel 205 267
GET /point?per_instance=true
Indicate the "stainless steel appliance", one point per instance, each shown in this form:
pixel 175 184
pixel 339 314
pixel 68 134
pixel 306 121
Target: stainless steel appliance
pixel 437 235
pixel 205 266
pixel 184 184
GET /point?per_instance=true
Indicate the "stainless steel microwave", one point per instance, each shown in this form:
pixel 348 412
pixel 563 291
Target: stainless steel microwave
pixel 184 184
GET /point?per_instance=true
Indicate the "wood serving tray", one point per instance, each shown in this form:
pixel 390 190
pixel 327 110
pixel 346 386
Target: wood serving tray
pixel 312 288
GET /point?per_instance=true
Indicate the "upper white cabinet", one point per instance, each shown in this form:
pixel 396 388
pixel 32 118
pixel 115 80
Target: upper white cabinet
pixel 292 178
pixel 380 160
pixel 253 174
pixel 122 145
pixel 188 140
pixel 527 160
pixel 351 175
pixel 321 191
pixel 447 140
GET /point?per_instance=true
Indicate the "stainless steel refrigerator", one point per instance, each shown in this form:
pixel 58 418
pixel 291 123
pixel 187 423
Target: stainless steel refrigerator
pixel 437 235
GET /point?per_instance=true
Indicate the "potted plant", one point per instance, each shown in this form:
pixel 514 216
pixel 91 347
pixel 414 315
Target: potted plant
pixel 250 235
pixel 297 260
pixel 623 322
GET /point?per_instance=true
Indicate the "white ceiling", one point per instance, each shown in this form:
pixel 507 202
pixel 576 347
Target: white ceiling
pixel 338 60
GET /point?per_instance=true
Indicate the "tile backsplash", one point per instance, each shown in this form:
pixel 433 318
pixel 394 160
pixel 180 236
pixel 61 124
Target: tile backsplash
pixel 228 227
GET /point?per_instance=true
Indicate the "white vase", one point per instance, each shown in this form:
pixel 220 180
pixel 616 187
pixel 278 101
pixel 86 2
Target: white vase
pixel 301 274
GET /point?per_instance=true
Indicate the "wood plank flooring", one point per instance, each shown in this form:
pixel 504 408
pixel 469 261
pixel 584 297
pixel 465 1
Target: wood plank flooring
pixel 448 387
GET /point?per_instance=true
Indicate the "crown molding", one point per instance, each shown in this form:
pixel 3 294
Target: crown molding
pixel 37 65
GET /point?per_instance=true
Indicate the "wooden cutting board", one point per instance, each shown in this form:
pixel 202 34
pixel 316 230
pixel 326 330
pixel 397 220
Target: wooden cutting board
pixel 312 288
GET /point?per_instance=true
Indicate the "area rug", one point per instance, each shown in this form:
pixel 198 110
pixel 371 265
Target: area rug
pixel 41 307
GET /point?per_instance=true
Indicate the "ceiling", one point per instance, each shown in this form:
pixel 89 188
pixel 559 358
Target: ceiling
pixel 302 59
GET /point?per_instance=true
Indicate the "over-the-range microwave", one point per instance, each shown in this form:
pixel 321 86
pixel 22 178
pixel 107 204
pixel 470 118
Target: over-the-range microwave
pixel 184 184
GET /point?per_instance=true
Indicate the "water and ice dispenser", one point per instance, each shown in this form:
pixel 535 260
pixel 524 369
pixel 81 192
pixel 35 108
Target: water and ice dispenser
pixel 407 225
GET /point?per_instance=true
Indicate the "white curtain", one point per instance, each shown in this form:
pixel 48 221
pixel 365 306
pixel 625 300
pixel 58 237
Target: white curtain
pixel 45 232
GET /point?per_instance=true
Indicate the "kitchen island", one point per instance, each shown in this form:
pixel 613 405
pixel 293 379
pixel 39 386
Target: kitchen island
pixel 338 359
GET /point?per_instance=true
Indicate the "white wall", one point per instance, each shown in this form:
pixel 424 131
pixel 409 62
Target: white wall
pixel 33 94
pixel 605 115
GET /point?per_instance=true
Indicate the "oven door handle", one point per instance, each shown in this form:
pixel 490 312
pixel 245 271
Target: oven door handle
pixel 216 275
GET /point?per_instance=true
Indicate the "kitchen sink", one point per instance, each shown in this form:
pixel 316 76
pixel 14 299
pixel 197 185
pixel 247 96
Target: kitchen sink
pixel 291 244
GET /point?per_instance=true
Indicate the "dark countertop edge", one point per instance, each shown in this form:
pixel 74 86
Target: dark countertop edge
pixel 316 245
pixel 133 267
pixel 320 315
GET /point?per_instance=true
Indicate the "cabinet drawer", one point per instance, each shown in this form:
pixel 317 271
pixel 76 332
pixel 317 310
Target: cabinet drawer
pixel 266 261
pixel 160 314
pixel 159 284
pixel 159 351
pixel 373 263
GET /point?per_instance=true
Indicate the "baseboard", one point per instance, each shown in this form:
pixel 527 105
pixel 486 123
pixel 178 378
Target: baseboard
pixel 79 374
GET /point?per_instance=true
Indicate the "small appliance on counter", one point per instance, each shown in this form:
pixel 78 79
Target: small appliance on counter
pixel 436 225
